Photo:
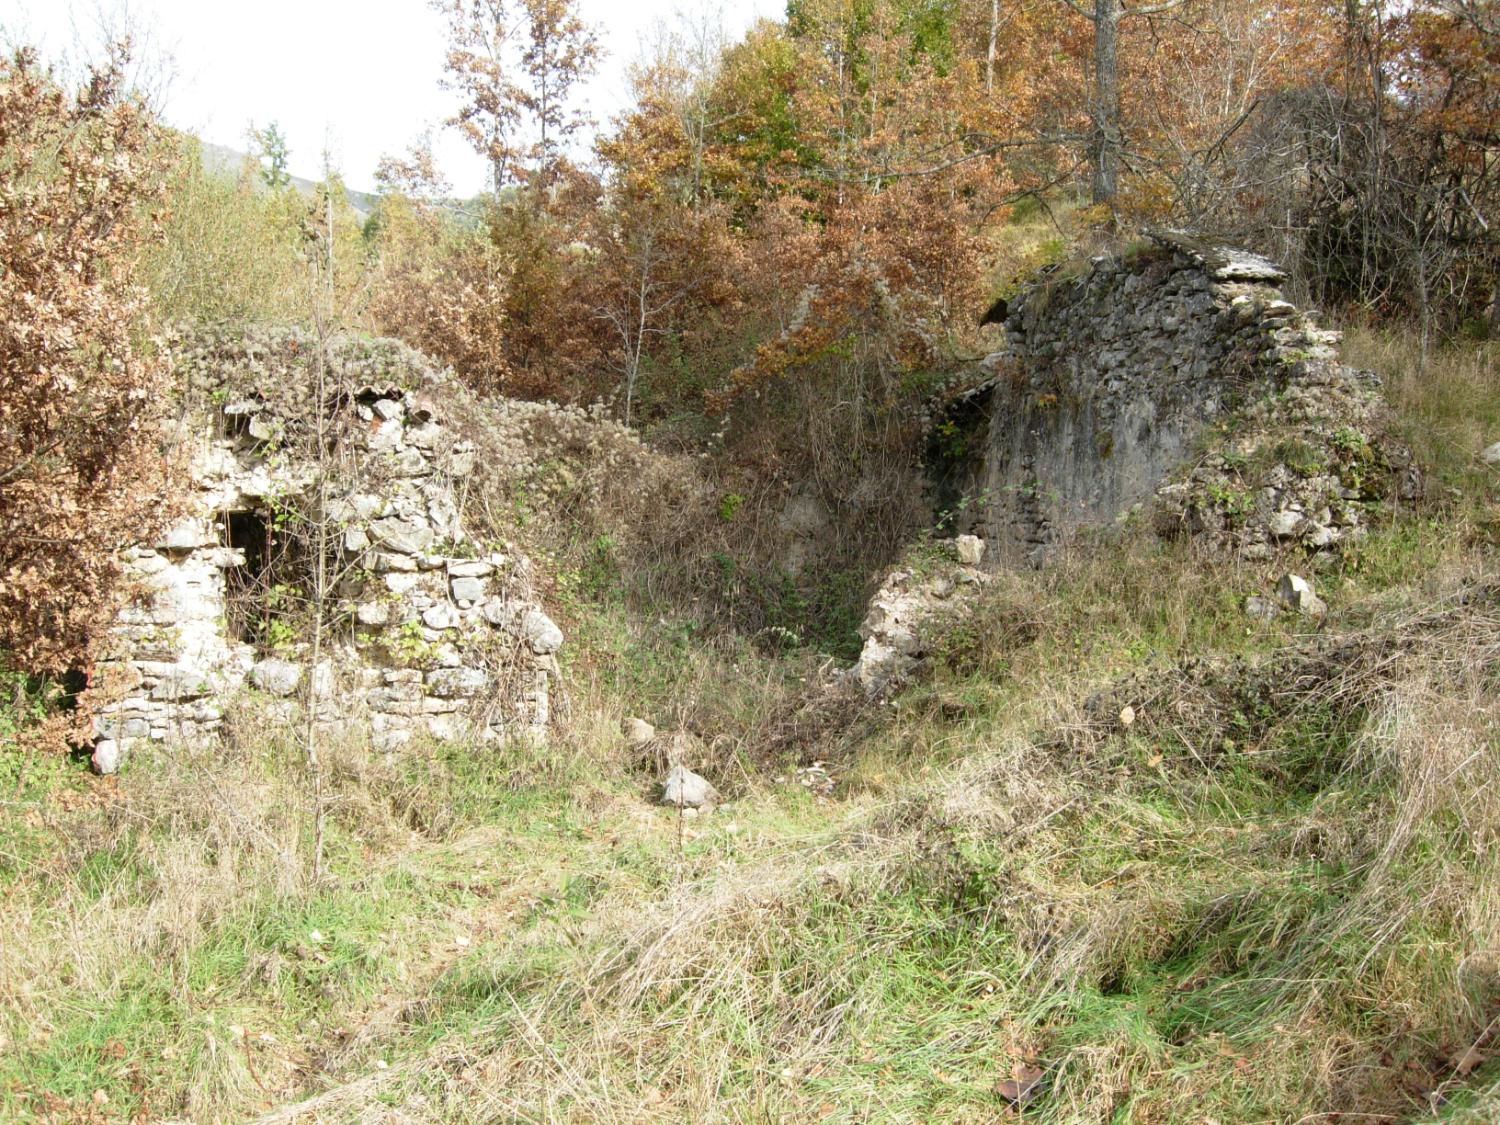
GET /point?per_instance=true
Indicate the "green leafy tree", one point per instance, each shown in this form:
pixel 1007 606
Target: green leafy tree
pixel 273 156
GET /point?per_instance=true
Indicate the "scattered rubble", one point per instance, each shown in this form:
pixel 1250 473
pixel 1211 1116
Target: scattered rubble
pixel 816 778
pixel 1308 466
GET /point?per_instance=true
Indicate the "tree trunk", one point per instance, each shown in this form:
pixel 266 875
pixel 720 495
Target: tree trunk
pixel 989 61
pixel 1106 108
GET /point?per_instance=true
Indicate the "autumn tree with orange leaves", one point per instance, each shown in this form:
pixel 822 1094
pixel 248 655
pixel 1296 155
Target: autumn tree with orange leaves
pixel 853 160
pixel 81 472
pixel 514 65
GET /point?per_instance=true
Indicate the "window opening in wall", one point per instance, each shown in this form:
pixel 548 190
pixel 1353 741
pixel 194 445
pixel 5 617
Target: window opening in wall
pixel 264 594
pixel 235 419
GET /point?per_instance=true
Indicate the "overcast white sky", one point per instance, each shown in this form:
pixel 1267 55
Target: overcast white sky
pixel 359 77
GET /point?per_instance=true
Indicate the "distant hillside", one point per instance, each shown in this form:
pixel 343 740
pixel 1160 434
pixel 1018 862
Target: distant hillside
pixel 220 158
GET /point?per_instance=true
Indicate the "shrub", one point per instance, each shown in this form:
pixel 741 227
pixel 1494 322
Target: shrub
pixel 229 249
pixel 80 471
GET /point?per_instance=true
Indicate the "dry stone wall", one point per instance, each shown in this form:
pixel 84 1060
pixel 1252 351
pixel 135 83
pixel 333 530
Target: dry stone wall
pixel 1110 374
pixel 427 631
pixel 915 601
pixel 1173 380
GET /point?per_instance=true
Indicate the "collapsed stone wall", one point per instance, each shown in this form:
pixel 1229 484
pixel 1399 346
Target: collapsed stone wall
pixel 428 631
pixel 1175 381
pixel 913 602
pixel 1110 375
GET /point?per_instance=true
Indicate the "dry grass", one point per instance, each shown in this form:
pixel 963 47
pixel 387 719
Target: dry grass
pixel 1451 403
pixel 1268 897
pixel 1166 937
pixel 1169 928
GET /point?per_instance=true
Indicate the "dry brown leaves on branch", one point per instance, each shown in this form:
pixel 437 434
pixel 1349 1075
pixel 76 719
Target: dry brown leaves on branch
pixel 81 471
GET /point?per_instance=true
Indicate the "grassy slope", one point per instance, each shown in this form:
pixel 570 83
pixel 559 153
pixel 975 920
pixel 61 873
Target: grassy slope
pixel 1269 898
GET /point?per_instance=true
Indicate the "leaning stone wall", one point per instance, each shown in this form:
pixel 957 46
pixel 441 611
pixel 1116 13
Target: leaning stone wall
pixel 1110 374
pixel 428 632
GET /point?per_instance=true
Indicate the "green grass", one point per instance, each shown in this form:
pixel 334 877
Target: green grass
pixel 1268 897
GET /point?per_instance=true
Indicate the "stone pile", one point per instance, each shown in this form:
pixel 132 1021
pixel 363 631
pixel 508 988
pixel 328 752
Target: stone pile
pixel 1305 467
pixel 427 632
pixel 909 608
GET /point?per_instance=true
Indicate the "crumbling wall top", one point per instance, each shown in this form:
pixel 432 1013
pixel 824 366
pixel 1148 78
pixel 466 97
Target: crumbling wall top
pixel 344 454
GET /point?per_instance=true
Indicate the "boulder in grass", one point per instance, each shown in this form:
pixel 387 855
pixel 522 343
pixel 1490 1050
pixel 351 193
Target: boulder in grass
pixel 638 732
pixel 684 789
pixel 1260 609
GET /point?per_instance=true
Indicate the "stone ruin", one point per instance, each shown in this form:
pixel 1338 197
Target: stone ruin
pixel 913 598
pixel 1173 380
pixel 427 631
pixel 1117 373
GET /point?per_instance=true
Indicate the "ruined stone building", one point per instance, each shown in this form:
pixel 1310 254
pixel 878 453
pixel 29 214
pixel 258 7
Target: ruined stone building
pixel 328 492
pixel 1173 382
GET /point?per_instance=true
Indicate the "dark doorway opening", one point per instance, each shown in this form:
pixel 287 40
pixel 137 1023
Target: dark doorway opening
pixel 249 586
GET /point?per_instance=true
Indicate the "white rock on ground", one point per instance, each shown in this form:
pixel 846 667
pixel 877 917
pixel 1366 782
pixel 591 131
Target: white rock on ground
pixel 682 788
pixel 1492 454
pixel 970 549
pixel 1297 593
pixel 107 756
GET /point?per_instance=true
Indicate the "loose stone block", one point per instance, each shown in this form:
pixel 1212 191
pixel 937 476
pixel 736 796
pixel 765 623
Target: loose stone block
pixel 541 632
pixel 464 683
pixel 405 537
pixel 468 589
pixel 278 677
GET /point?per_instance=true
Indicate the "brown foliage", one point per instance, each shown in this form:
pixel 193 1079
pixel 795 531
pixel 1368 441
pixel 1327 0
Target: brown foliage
pixel 80 471
pixel 449 301
pixel 514 66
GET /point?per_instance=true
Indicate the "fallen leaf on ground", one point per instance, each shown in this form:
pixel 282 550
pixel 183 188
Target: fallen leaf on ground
pixel 1024 1086
pixel 1466 1061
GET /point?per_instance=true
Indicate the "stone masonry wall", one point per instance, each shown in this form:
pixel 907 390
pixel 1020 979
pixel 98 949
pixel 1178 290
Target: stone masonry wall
pixel 428 632
pixel 1110 374
pixel 1174 381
